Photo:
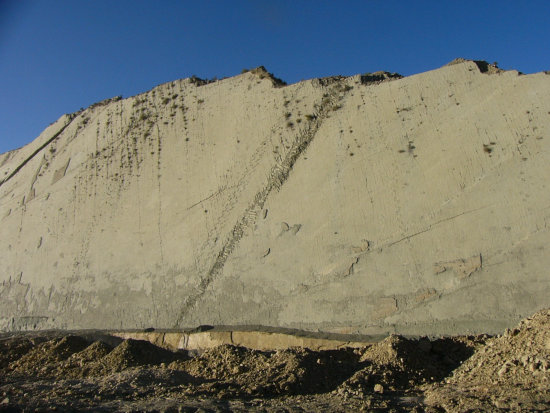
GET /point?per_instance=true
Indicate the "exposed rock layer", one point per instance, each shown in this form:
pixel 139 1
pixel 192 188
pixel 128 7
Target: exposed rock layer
pixel 368 204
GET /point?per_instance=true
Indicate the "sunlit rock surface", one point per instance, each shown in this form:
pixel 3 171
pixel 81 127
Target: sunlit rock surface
pixel 368 204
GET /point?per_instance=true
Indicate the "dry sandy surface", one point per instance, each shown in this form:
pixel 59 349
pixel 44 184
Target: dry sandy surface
pixel 68 372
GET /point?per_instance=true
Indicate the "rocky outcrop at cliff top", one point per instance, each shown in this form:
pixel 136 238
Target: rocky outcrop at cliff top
pixel 367 204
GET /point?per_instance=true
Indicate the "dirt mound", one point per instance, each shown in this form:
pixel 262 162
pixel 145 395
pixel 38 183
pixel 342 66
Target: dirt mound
pixel 82 363
pixel 95 351
pixel 42 360
pixel 398 363
pixel 245 373
pixel 74 357
pixel 13 348
pixel 131 353
pixel 512 371
pixel 473 373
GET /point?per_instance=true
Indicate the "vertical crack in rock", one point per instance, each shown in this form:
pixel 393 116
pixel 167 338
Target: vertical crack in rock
pixel 37 151
pixel 278 175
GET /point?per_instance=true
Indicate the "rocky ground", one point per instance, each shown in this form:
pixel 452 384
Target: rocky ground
pixel 72 372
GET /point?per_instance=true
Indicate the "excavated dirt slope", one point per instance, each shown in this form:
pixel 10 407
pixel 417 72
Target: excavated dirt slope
pixel 370 204
pixel 511 372
pixel 56 371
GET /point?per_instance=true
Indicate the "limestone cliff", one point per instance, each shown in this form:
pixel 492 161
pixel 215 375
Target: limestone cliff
pixel 367 204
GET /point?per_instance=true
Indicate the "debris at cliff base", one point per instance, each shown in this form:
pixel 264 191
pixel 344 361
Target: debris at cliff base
pixel 253 373
pixel 511 371
pixel 68 372
pixel 398 364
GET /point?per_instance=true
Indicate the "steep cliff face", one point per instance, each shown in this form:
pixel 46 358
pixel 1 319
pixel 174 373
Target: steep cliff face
pixel 365 204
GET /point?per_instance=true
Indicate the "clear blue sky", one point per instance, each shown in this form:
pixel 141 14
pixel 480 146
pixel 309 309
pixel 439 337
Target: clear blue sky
pixel 57 56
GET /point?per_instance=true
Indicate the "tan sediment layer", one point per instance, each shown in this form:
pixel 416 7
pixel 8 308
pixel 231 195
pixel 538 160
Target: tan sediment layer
pixel 257 340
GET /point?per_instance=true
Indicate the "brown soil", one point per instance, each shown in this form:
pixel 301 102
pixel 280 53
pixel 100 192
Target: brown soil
pixel 70 372
pixel 511 372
